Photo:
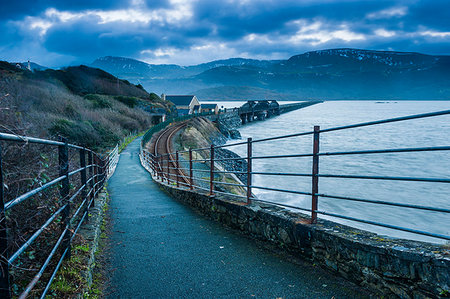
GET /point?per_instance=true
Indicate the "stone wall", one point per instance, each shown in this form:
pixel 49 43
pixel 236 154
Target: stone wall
pixel 389 267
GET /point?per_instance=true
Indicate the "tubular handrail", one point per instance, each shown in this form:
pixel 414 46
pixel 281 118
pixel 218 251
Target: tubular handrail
pixel 93 171
pixel 157 165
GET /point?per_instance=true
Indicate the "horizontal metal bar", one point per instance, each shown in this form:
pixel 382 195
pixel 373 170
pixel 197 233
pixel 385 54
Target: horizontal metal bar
pixel 18 138
pixel 63 256
pixel 36 234
pixel 282 190
pixel 383 151
pixel 230 172
pixel 386 225
pixel 418 207
pixel 280 204
pixel 27 195
pixel 389 120
pixel 232 144
pixel 231 194
pixel 36 278
pixel 282 174
pixel 284 136
pixel 282 156
pixel 229 184
pixel 202 160
pixel 229 159
pixel 201 170
pixel 387 178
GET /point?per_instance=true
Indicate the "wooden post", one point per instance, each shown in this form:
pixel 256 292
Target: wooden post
pixel 4 265
pixel 315 172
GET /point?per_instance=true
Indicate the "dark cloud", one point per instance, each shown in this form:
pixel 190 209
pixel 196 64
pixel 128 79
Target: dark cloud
pixel 374 24
pixel 16 9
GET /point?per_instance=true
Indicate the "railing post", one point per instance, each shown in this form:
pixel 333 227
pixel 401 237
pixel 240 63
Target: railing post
pixel 211 172
pixel 84 178
pixel 249 170
pixel 315 172
pixel 94 190
pixel 4 265
pixel 158 173
pixel 177 169
pixel 168 169
pixel 91 173
pixel 63 158
pixel 191 171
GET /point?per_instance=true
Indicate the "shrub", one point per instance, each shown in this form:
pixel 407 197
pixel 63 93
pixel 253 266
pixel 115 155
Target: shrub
pixel 129 101
pixel 98 102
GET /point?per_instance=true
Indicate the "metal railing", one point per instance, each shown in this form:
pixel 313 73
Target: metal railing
pixel 93 172
pixel 212 165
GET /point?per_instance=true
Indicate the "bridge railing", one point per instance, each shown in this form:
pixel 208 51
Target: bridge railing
pixel 69 212
pixel 202 173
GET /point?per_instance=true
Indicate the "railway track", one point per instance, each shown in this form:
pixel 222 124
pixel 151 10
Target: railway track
pixel 163 147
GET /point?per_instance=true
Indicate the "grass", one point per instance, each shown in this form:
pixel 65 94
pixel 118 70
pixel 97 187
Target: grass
pixel 127 140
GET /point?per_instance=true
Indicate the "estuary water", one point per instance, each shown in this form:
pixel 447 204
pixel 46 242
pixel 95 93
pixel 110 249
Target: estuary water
pixel 414 133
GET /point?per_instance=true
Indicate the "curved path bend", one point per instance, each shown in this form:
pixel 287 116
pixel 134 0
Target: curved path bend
pixel 162 249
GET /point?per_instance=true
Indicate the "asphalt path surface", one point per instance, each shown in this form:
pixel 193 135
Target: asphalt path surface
pixel 160 248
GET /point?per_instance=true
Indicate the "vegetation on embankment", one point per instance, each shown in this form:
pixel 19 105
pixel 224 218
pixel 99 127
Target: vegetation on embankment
pixel 201 133
pixel 87 106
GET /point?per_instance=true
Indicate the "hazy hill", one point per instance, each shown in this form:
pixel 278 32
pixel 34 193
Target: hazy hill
pixel 86 105
pixel 325 74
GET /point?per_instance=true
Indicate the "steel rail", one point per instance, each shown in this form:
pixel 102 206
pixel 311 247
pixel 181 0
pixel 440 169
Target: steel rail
pixel 381 202
pixel 228 159
pixel 62 257
pixel 229 184
pixel 232 144
pixel 25 196
pixel 282 190
pixel 283 156
pixel 389 120
pixel 283 174
pixel 36 234
pixel 36 278
pixel 35 191
pixel 387 178
pixel 383 151
pixel 41 229
pixel 409 230
pixel 281 204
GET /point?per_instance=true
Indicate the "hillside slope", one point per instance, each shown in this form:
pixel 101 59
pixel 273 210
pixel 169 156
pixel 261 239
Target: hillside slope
pixel 86 105
pixel 326 74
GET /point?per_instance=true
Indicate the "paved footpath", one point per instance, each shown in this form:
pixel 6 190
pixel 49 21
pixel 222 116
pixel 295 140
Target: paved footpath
pixel 162 249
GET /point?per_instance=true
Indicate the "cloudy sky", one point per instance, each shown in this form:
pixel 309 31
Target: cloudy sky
pixel 186 32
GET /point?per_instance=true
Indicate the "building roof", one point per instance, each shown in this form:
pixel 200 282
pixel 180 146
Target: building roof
pixel 209 106
pixel 181 100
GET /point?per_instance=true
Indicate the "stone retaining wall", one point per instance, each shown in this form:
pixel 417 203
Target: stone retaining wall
pixel 390 267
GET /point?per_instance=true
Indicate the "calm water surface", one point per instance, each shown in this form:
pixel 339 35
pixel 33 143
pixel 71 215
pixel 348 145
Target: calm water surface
pixel 416 133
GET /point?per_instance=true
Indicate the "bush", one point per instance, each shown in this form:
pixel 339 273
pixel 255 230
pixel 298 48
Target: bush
pixel 129 101
pixel 98 102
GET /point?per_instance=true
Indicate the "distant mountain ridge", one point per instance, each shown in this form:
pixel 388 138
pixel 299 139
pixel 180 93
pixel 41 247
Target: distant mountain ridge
pixel 343 73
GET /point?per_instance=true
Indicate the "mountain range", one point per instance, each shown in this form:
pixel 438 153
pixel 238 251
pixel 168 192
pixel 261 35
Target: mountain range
pixel 326 74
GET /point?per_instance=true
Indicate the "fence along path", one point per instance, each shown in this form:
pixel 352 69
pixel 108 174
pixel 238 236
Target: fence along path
pixel 164 165
pixel 93 174
pixel 162 249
